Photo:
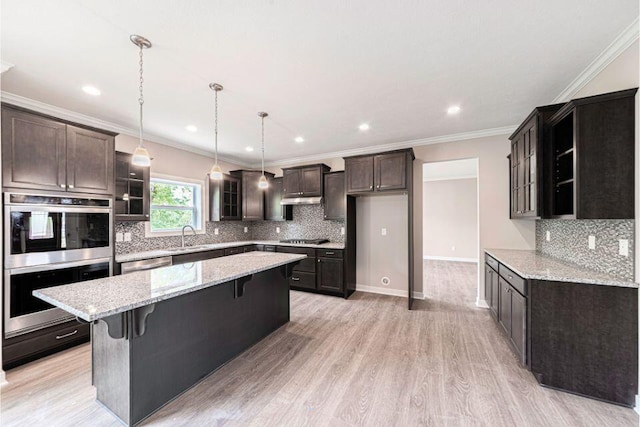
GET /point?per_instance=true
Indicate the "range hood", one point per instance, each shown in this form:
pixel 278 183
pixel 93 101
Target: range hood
pixel 301 201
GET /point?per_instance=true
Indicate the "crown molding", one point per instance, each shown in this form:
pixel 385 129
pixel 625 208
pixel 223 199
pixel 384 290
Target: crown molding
pixel 5 66
pixel 73 116
pixel 606 57
pixel 500 131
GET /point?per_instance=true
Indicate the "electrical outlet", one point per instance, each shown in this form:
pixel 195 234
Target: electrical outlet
pixel 548 236
pixel 592 242
pixel 342 231
pixel 624 247
pixel 216 231
pixel 383 232
pixel 278 230
pixel 246 229
pixel 127 237
pixel 119 237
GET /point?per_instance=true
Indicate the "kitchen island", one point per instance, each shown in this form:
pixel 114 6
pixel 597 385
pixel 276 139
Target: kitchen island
pixel 157 333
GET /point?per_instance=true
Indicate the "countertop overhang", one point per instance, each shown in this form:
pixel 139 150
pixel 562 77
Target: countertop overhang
pixel 99 298
pixel 530 264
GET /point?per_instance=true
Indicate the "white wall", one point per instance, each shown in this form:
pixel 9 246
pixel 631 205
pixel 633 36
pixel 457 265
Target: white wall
pixel 450 219
pixel 382 256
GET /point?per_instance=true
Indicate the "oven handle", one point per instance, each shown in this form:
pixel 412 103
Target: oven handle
pixel 59 266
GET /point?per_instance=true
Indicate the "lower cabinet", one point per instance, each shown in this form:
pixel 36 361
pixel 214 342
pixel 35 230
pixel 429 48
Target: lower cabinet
pixel 197 256
pixel 322 271
pixel 331 274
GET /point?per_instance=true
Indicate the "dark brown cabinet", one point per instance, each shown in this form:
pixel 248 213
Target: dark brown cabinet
pixel 225 199
pixel 589 170
pixel 252 196
pixel 305 181
pixel 273 210
pixel 330 274
pixel 132 198
pixel 197 256
pixel 526 166
pixel 377 173
pixel 43 153
pixel 491 289
pixel 335 202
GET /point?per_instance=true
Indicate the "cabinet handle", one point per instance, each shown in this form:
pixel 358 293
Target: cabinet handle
pixel 371 187
pixel 70 185
pixel 330 253
pixel 62 185
pixel 59 337
pixel 510 276
pixel 318 259
pixel 295 279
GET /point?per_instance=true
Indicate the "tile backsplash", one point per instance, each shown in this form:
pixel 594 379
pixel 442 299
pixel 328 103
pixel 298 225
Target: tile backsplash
pixel 569 241
pixel 308 223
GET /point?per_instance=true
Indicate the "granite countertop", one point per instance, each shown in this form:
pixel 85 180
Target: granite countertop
pixel 534 265
pixel 137 256
pixel 95 299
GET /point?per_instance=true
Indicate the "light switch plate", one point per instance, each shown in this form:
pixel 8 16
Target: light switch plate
pixel 548 236
pixel 216 231
pixel 342 231
pixel 624 247
pixel 383 232
pixel 278 230
pixel 127 237
pixel 246 229
pixel 119 237
pixel 592 242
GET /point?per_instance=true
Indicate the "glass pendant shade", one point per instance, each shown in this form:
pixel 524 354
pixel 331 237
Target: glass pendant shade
pixel 262 182
pixel 141 157
pixel 216 172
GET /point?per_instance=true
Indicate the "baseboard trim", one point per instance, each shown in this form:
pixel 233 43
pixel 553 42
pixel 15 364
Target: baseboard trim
pixel 387 291
pixel 3 379
pixel 481 303
pixel 449 258
pixel 637 408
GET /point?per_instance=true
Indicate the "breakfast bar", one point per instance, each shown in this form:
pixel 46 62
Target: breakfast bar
pixel 157 333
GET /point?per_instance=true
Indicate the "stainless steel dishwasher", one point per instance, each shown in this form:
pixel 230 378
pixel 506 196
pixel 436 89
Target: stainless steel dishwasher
pixel 145 264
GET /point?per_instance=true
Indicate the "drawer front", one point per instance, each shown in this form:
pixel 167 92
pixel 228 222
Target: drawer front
pixel 310 252
pixel 516 281
pixel 269 248
pixel 53 337
pixel 307 265
pixel 329 253
pixel 492 262
pixel 302 280
pixel 197 256
pixel 233 251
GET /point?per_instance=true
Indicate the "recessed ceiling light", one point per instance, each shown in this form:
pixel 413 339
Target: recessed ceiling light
pixel 191 128
pixel 91 90
pixel 364 126
pixel 249 148
pixel 299 139
pixel 454 109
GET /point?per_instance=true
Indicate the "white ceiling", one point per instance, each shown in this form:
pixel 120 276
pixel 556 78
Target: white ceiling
pixel 320 68
pixel 451 169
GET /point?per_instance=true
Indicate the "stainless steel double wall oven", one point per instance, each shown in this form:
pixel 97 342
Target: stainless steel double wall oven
pixel 51 239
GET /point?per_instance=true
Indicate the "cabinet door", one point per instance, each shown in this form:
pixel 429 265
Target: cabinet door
pixel 89 161
pixel 274 211
pixel 311 181
pixel 291 182
pixel 518 323
pixel 252 197
pixel 488 282
pixel 391 171
pixel 335 202
pixel 33 151
pixel 495 294
pixel 330 274
pixel 131 190
pixel 504 307
pixel 359 174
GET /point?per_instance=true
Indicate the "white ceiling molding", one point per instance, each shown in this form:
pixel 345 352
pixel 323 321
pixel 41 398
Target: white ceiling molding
pixel 73 116
pixel 505 130
pixel 5 66
pixel 619 45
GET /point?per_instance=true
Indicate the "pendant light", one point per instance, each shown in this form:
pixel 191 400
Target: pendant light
pixel 216 171
pixel 141 155
pixel 262 183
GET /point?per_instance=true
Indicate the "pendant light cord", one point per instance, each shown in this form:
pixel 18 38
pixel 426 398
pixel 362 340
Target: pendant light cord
pixel 216 125
pixel 141 98
pixel 263 145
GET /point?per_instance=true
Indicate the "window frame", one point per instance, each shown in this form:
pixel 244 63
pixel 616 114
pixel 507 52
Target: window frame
pixel 200 205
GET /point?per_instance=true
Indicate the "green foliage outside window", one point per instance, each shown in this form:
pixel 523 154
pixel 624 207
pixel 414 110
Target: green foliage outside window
pixel 173 205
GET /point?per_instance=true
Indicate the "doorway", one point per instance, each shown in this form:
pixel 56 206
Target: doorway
pixel 450 224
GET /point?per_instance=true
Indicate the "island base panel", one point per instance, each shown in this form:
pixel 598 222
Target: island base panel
pixel 185 339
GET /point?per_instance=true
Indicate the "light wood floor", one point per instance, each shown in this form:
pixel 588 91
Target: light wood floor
pixel 365 361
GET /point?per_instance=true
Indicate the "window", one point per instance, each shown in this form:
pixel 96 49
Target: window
pixel 175 204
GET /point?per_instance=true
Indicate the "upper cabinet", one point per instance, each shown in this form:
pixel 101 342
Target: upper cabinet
pixel 305 181
pixel 43 153
pixel 132 197
pixel 273 210
pixel 589 168
pixel 252 195
pixel 526 163
pixel 388 171
pixel 334 196
pixel 225 199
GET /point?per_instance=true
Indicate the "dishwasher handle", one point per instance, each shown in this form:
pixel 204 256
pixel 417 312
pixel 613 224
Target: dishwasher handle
pixel 147 264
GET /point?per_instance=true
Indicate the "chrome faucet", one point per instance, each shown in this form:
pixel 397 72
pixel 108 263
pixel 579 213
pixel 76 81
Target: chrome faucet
pixel 184 228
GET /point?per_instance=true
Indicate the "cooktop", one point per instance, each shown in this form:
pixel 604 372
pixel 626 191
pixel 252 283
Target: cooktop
pixel 305 241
